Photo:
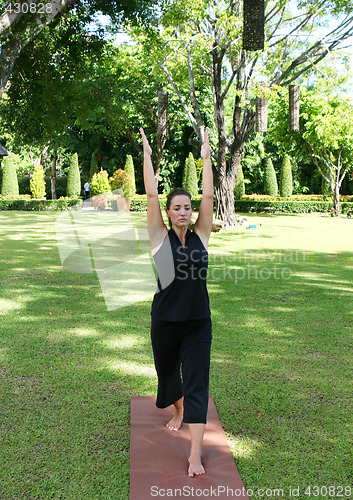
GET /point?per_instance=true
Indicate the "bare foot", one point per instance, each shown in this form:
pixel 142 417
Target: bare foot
pixel 175 423
pixel 195 466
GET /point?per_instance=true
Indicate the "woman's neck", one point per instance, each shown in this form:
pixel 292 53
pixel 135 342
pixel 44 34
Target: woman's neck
pixel 180 232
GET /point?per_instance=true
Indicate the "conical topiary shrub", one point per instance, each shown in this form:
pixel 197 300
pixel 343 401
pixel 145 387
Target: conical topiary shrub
pixel 74 178
pixel 270 179
pixel 9 185
pixel 239 190
pixel 190 176
pixel 94 167
pixel 130 187
pixel 37 182
pixel 286 180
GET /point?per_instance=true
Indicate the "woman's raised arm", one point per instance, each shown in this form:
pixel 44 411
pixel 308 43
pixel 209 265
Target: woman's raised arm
pixel 203 225
pixel 157 230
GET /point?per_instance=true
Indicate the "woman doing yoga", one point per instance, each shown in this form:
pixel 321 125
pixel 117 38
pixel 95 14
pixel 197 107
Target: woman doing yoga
pixel 181 329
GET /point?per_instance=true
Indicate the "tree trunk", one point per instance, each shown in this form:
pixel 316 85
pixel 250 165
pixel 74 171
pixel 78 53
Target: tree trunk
pixel 53 176
pixel 336 199
pixel 8 56
pixel 162 129
pixel 225 200
pixel 43 156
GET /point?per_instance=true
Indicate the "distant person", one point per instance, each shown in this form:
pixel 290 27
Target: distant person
pixel 86 190
pixel 181 329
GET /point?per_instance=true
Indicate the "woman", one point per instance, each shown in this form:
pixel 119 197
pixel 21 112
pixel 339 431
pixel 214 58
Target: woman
pixel 181 324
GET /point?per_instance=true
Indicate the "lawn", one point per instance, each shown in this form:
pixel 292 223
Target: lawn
pixel 281 373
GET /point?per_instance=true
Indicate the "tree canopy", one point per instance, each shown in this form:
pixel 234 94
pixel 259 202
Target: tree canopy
pixel 70 83
pixel 201 43
pixel 21 22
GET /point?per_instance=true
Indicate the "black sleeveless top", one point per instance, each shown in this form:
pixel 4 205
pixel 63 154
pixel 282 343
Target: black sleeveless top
pixel 182 274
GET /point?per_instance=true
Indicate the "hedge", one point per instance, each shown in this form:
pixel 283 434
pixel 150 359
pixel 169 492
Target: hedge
pixel 295 197
pixel 38 205
pixel 139 203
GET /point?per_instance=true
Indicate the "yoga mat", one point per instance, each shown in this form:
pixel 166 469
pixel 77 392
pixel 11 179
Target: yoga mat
pixel 158 457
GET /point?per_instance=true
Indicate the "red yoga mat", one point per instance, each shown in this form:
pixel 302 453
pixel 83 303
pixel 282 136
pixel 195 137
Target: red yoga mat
pixel 158 457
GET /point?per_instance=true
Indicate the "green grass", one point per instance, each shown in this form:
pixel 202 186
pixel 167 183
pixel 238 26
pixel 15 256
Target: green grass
pixel 281 373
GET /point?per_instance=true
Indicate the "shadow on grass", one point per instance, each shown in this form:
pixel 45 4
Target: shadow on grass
pixel 280 375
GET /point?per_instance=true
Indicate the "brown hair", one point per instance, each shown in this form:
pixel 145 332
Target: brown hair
pixel 172 194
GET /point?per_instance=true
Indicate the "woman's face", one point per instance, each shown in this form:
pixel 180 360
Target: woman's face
pixel 180 211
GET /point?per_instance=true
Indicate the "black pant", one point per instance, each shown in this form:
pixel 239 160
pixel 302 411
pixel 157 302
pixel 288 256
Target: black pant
pixel 185 344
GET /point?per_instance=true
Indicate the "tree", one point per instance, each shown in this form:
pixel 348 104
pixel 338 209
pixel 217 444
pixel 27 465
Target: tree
pixel 125 84
pixel 130 187
pixel 270 179
pixel 205 39
pixel 328 132
pixel 73 178
pixel 9 185
pixel 21 22
pixel 18 26
pixel 286 180
pixel 37 106
pixel 190 176
pixel 37 182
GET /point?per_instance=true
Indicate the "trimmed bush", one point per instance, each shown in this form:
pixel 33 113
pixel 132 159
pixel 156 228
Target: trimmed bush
pixel 239 190
pixel 130 186
pixel 37 183
pixel 286 180
pixel 270 179
pixel 73 178
pixel 120 180
pixel 9 184
pixel 190 176
pixel 100 183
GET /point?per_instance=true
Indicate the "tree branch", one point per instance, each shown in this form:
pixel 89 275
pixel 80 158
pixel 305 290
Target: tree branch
pixel 193 99
pixel 181 100
pixel 317 51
